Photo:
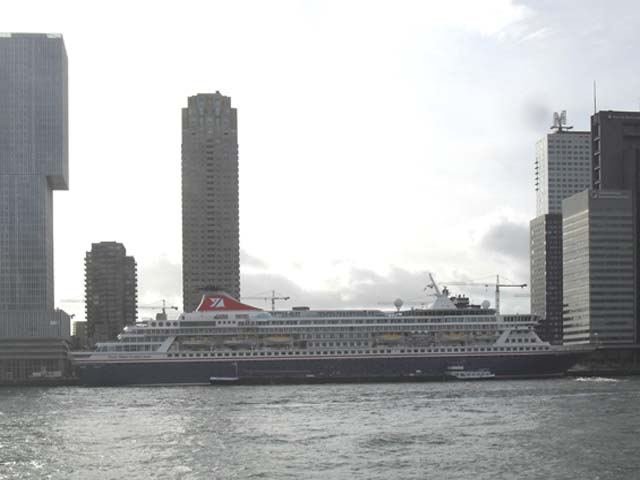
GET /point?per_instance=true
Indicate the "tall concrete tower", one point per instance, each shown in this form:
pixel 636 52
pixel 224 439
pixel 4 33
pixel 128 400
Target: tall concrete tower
pixel 210 198
pixel 33 163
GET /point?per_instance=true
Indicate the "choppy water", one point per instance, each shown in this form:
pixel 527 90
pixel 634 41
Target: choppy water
pixel 551 429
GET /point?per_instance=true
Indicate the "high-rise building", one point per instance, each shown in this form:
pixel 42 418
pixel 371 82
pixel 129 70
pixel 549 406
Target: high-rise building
pixel 111 291
pixel 546 275
pixel 562 168
pixel 33 163
pixel 599 269
pixel 616 150
pixel 210 200
pixel 616 166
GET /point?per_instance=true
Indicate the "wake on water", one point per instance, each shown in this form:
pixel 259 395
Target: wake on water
pixel 595 379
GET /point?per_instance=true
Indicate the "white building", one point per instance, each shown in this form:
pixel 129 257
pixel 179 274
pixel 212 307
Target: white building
pixel 563 168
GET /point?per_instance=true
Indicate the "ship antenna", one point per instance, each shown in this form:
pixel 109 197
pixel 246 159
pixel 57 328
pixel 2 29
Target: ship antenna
pixel 595 109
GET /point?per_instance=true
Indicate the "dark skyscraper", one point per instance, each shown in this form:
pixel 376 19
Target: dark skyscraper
pixel 33 163
pixel 210 203
pixel 615 165
pixel 111 291
pixel 546 275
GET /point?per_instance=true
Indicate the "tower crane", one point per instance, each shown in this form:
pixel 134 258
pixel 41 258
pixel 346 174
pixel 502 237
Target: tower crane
pixel 498 286
pixel 273 299
pixel 164 307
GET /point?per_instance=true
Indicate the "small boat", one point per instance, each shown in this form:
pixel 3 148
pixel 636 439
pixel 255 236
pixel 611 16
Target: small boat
pixel 459 373
pixel 223 380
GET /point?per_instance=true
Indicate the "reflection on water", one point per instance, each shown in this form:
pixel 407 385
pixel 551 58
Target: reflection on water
pixel 568 428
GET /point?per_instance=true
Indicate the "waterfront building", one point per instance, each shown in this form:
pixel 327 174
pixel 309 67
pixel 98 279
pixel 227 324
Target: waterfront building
pixel 41 360
pixel 599 270
pixel 111 291
pixel 33 164
pixel 562 168
pixel 615 138
pixel 210 198
pixel 546 275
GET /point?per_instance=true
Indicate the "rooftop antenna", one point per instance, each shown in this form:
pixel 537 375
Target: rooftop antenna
pixel 560 121
pixel 595 109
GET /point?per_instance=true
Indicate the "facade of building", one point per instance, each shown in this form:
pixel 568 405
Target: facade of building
pixel 546 275
pixel 80 339
pixel 33 163
pixel 111 291
pixel 210 198
pixel 34 360
pixel 562 169
pixel 599 276
pixel 616 166
pixel 616 150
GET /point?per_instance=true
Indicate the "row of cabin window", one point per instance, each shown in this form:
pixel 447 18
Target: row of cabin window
pixel 340 352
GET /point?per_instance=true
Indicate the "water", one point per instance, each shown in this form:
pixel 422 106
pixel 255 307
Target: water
pixel 547 429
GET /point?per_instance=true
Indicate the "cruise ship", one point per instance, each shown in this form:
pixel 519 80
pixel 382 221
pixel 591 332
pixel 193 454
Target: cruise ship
pixel 228 342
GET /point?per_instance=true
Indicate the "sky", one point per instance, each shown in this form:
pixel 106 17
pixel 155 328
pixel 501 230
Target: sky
pixel 379 140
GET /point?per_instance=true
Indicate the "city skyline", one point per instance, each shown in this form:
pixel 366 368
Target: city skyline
pixel 400 112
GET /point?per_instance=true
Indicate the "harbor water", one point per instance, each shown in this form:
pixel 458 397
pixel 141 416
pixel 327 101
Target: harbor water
pixel 587 428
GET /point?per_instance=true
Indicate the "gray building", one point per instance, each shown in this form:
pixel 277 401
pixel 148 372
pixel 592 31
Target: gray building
pixel 599 277
pixel 34 360
pixel 210 198
pixel 616 166
pixel 33 163
pixel 546 275
pixel 562 168
pixel 111 291
pixel 616 150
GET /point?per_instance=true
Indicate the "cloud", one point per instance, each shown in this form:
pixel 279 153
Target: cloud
pixel 362 288
pixel 250 261
pixel 507 238
pixel 161 279
pixel 537 115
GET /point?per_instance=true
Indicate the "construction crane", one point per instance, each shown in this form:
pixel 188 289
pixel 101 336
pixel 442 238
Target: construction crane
pixel 498 286
pixel 273 299
pixel 164 307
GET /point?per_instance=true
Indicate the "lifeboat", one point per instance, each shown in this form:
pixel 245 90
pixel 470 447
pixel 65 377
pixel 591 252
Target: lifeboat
pixel 277 341
pixel 389 339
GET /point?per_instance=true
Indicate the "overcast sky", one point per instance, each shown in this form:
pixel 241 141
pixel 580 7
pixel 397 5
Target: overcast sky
pixel 378 140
